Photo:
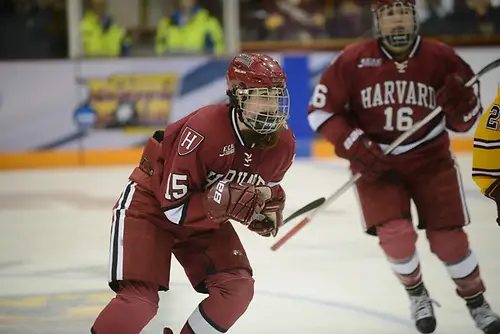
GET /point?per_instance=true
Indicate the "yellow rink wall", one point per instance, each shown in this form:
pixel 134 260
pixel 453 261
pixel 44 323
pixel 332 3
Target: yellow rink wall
pixel 130 156
pixel 53 158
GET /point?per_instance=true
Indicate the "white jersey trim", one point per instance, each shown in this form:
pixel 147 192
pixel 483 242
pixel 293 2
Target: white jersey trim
pixel 174 215
pixel 487 144
pixel 317 118
pixel 438 130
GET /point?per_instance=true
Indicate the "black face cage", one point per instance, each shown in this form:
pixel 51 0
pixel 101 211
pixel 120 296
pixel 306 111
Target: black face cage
pixel 398 37
pixel 264 110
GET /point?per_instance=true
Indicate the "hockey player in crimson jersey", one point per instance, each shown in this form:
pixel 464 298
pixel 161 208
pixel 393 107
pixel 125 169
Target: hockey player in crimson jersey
pixel 373 92
pixel 222 162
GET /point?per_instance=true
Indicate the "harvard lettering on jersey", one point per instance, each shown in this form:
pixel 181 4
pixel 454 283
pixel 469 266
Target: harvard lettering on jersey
pixel 399 92
pixel 486 152
pixel 194 154
pixel 365 88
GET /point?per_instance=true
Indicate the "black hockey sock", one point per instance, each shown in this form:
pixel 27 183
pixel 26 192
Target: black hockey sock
pixel 475 301
pixel 416 290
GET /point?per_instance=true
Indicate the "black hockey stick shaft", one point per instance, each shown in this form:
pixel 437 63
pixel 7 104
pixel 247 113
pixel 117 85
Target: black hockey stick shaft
pixel 311 206
pixel 494 64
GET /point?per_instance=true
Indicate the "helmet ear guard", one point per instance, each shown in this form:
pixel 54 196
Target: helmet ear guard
pixel 234 103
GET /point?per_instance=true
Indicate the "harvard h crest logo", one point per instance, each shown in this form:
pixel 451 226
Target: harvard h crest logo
pixel 190 140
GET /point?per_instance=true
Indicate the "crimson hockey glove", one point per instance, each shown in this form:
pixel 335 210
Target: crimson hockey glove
pixel 456 100
pixel 230 200
pixel 365 156
pixel 493 192
pixel 270 219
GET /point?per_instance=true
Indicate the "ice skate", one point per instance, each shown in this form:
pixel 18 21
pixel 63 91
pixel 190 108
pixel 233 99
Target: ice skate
pixel 484 317
pixel 422 310
pixel 167 330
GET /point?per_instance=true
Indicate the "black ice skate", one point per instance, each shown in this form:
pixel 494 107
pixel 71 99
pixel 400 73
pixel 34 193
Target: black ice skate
pixel 485 319
pixel 422 310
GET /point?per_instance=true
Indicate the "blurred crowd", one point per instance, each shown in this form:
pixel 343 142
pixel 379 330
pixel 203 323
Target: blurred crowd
pixel 39 28
pixel 326 19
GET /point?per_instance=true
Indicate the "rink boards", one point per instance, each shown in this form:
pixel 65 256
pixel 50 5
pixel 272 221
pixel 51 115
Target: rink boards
pixel 66 158
pixel 101 112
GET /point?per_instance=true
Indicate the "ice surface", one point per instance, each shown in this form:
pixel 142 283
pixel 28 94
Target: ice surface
pixel 330 278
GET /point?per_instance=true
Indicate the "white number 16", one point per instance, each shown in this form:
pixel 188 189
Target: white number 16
pixel 403 122
pixel 318 99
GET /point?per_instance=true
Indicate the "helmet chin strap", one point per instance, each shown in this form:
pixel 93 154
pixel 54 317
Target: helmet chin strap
pixel 234 103
pixel 242 126
pixel 240 122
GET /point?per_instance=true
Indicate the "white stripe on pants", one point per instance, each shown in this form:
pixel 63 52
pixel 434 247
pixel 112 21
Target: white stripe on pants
pixel 117 229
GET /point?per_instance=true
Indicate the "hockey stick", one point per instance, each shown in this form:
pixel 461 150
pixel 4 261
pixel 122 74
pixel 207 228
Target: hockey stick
pixel 390 148
pixel 311 206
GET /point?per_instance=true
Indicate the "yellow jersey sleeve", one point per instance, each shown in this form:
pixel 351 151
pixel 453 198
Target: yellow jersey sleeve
pixel 486 151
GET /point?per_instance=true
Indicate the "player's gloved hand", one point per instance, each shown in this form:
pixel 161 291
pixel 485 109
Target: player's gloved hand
pixel 493 192
pixel 229 200
pixel 365 156
pixel 270 219
pixel 456 99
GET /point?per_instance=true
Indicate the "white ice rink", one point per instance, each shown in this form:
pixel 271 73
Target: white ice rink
pixel 331 278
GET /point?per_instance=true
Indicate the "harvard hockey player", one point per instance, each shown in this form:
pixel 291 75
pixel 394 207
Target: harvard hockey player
pixel 373 92
pixel 222 162
pixel 486 154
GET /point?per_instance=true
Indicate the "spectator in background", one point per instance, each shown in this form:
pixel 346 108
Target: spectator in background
pixel 296 20
pixel 101 35
pixel 253 14
pixel 434 16
pixel 191 29
pixel 57 26
pixel 351 19
pixel 25 32
pixel 475 17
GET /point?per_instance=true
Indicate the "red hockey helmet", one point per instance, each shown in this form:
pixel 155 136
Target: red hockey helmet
pixel 378 4
pixel 396 22
pixel 256 86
